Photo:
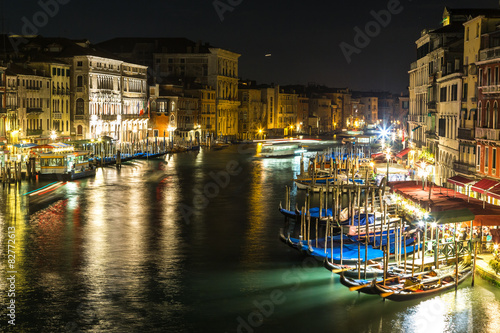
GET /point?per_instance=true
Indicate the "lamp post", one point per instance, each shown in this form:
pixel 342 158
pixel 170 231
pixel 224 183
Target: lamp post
pixel 388 156
pixel 260 133
pixel 423 173
pixel 53 135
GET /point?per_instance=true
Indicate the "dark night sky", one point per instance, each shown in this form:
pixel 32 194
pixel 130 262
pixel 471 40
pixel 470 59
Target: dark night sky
pixel 302 36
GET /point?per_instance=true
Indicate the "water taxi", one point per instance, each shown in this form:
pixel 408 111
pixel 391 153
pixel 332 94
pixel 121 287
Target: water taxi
pixel 280 149
pixel 64 165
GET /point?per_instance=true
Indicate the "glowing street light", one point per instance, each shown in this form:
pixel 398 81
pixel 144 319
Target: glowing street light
pixel 423 172
pixel 388 157
pixel 53 135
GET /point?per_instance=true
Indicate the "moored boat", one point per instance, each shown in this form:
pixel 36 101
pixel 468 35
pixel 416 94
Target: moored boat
pixel 414 288
pixel 65 165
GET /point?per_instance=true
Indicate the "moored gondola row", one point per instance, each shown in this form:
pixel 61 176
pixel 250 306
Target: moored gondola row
pixel 358 231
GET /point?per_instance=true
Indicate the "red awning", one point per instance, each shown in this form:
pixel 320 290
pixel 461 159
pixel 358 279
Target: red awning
pixel 403 152
pixel 459 181
pixel 483 185
pixel 494 192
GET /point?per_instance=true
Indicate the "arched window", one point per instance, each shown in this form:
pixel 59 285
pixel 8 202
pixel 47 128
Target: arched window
pixel 495 115
pixel 80 106
pixel 488 117
pixel 479 115
pixel 79 130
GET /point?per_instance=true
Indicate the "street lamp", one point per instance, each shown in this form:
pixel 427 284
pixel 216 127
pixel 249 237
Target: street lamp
pixel 423 172
pixel 53 135
pixel 388 156
pixel 260 133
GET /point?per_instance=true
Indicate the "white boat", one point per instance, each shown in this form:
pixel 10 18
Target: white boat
pixel 64 165
pixel 280 150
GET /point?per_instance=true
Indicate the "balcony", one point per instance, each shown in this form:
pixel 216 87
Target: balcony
pixel 466 133
pixel 413 65
pixel 464 168
pixel 491 53
pixel 431 135
pixel 108 117
pixel 186 127
pixel 79 117
pixel 57 115
pixel 33 88
pixel 416 118
pixel 491 134
pixel 491 89
pixel 34 111
pixel 134 116
pixel 31 132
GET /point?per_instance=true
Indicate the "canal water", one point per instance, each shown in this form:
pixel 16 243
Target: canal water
pixel 190 244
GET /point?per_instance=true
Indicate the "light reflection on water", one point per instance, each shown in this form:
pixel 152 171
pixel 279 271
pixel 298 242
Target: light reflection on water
pixel 115 253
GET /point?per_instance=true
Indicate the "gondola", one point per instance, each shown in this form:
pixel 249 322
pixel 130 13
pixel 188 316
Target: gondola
pixel 365 286
pixel 412 288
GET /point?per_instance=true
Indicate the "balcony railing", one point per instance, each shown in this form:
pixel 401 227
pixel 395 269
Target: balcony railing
pixel 108 117
pixel 187 126
pixel 489 53
pixel 34 132
pixel 492 134
pixel 79 117
pixel 416 118
pixel 466 133
pixel 491 89
pixel 134 116
pixel 34 110
pixel 431 135
pixel 464 168
pixel 57 115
